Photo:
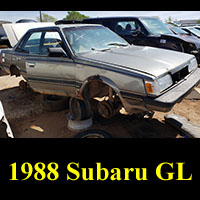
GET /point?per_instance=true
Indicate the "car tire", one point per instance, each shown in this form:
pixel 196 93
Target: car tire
pixel 54 103
pixel 80 110
pixel 93 134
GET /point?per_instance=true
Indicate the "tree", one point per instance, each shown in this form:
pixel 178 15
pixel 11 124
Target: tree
pixel 170 20
pixel 74 15
pixel 47 18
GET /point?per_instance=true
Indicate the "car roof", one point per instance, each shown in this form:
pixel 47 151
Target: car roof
pixel 61 26
pixel 75 25
pixel 118 18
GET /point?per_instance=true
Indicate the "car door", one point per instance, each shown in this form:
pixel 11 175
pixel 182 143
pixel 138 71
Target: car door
pixel 45 74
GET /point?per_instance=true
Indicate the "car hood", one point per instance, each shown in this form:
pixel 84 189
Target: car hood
pixel 149 60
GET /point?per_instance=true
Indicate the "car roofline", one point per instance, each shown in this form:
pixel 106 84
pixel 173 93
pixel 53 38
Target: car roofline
pixel 118 17
pixel 61 26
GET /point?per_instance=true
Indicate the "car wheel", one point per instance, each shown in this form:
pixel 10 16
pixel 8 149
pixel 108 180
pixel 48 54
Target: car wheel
pixel 54 103
pixel 79 109
pixel 93 134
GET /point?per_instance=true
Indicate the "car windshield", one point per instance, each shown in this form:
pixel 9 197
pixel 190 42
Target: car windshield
pixel 84 39
pixel 195 31
pixel 156 26
pixel 179 30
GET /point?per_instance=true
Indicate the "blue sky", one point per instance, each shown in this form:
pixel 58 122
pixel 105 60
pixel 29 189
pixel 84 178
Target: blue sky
pixel 16 15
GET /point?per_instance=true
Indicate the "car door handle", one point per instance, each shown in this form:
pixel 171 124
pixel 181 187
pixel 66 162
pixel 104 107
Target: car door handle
pixel 32 64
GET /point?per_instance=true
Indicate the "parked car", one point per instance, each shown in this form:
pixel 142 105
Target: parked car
pixel 87 62
pixel 148 31
pixel 4 41
pixel 184 34
pixel 178 31
pixel 197 27
pixel 3 38
pixel 192 30
pixel 26 21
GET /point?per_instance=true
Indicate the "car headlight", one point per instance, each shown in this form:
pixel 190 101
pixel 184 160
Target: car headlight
pixel 156 87
pixel 192 65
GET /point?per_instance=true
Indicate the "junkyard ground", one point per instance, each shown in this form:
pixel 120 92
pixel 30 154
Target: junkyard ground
pixel 28 119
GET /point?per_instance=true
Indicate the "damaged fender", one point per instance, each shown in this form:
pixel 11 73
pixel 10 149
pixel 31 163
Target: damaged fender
pixel 101 79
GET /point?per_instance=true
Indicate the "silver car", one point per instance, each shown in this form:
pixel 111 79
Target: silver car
pixel 91 62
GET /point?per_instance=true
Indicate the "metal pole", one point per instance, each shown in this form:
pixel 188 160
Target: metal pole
pixel 40 16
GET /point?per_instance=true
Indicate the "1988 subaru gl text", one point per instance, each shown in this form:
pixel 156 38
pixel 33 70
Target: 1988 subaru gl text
pixel 90 61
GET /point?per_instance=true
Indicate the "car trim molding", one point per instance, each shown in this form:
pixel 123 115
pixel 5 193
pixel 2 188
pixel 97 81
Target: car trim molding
pixel 56 81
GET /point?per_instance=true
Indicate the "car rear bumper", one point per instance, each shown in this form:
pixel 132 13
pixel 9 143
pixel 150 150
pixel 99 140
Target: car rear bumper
pixel 166 101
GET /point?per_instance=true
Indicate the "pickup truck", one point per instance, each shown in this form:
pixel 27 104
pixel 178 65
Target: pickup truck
pixel 148 31
pixel 89 61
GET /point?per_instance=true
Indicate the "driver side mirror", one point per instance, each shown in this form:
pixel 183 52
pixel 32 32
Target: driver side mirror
pixel 56 52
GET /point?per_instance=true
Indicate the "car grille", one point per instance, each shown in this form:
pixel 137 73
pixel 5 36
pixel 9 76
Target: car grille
pixel 178 76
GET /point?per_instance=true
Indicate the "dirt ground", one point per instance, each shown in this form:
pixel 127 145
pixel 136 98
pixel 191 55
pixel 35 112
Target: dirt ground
pixel 28 119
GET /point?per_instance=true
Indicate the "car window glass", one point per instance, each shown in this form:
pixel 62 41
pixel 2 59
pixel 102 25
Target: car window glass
pixel 32 45
pixel 39 42
pixel 156 26
pixel 126 27
pixel 195 31
pixel 178 30
pixel 86 39
pixel 51 40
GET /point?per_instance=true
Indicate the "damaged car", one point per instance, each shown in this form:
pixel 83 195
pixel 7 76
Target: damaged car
pixel 90 62
pixel 148 31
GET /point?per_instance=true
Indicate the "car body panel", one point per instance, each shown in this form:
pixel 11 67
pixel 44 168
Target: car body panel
pixel 52 76
pixel 142 59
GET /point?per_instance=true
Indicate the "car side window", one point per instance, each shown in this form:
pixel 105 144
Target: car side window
pixel 51 40
pixel 126 27
pixel 32 44
pixel 38 43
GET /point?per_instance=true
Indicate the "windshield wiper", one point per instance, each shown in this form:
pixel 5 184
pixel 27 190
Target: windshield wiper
pixel 105 49
pixel 117 44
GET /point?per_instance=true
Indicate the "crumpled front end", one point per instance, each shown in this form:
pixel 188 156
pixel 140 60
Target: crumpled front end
pixel 186 44
pixel 193 49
